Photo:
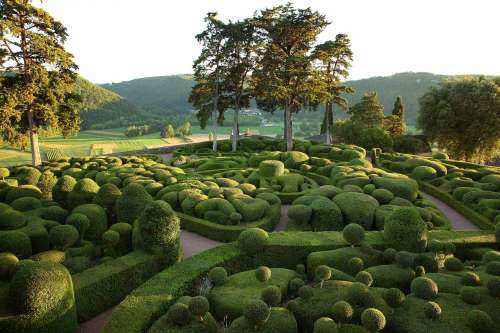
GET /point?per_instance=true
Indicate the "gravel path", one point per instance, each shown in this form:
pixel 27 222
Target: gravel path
pixel 283 219
pixel 458 221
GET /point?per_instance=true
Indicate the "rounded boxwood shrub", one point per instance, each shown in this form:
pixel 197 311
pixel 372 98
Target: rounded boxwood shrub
pixel 357 208
pixel 493 268
pixel 479 321
pixel 271 168
pixel 15 242
pixel 178 314
pixel 373 319
pixel 493 286
pixel 252 240
pixel 106 197
pixel 424 173
pixel 295 284
pixel 342 311
pixel 424 288
pixel 84 191
pixel 7 263
pixel 322 273
pixel 470 295
pixel 271 295
pixel 453 264
pixel 4 173
pixel 419 270
pixel 432 310
pixel 12 219
pixel 389 255
pixel 218 276
pixel 300 213
pixel 63 236
pixel 125 230
pixel 490 256
pixel 306 292
pixel 326 215
pixel 80 222
pixel 198 306
pixel 470 279
pixel 62 188
pixel 77 264
pixel 110 238
pixel 54 213
pixel 353 233
pixel 28 175
pixel 26 203
pixel 131 203
pixel 357 293
pixel 364 277
pixel 393 297
pixel 158 231
pixel 98 220
pixel 382 195
pixel 257 313
pixel 325 325
pixel 405 230
pixel 404 259
pixel 354 265
pixel 263 273
pixel 22 191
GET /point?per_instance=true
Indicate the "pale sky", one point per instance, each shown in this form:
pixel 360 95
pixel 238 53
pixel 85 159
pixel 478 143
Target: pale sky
pixel 119 40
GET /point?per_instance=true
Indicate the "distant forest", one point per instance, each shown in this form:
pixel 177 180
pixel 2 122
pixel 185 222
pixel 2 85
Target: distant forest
pixel 143 100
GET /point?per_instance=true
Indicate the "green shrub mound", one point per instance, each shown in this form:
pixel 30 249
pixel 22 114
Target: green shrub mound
pixel 8 262
pixel 263 273
pixel 479 321
pixel 453 264
pixel 271 295
pixel 16 242
pixel 26 204
pixel 271 168
pixel 404 229
pixel 306 292
pixel 432 310
pixel 394 297
pixel 300 213
pixel 198 306
pixel 373 319
pixel 404 259
pixel 326 216
pixel 80 222
pixel 357 208
pixel 322 273
pixel 424 288
pixel 470 279
pixel 83 193
pixel 490 256
pixel 179 314
pixel 41 294
pixel 98 221
pixel 63 236
pixel 256 313
pixel 405 188
pixel 28 175
pixel 12 219
pixel 383 196
pixel 424 173
pixel 493 268
pixel 280 321
pixel 21 192
pixel 252 240
pixel 470 295
pixel 218 275
pixel 131 203
pixel 364 277
pixel 62 188
pixel 353 233
pixel 325 325
pixel 493 286
pixel 342 311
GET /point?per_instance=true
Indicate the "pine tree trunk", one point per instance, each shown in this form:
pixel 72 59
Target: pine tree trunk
pixel 214 129
pixel 328 114
pixel 236 131
pixel 36 159
pixel 214 115
pixel 288 129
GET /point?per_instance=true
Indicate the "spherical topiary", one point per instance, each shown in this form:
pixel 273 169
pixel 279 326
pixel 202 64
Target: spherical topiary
pixel 424 288
pixel 110 238
pixel 479 321
pixel 373 319
pixel 26 203
pixel 271 295
pixel 271 168
pixel 449 248
pixel 435 246
pixel 263 273
pixel 424 173
pixel 357 293
pixel 300 213
pixel 325 325
pixel 292 305
pixel 404 259
pixel 300 269
pixel 256 313
pixel 54 213
pixel 470 295
pixel 322 273
pixel 453 264
pixel 7 263
pixel 83 193
pixel 432 310
pixel 295 284
pixel 493 286
pixel 106 197
pixel 470 279
pixel 21 191
pixel 253 240
pixel 389 255
pixel 353 233
pixel 364 277
pixel 28 175
pixel 493 268
pixel 354 265
pixel 342 311
pixel 382 195
pixel 80 222
pixel 218 275
pixel 12 219
pixel 306 292
pixel 4 172
pixel 16 242
pixel 178 314
pixel 198 306
pixel 394 297
pixel 491 256
pixel 419 270
pixel 63 236
pixel 184 299
pixel 132 202
pixel 98 220
pixel 404 229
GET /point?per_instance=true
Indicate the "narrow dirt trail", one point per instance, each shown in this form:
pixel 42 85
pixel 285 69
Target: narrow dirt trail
pixel 458 221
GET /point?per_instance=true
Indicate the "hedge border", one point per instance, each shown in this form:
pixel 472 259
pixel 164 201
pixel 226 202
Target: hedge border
pixel 481 221
pixel 228 233
pixel 147 303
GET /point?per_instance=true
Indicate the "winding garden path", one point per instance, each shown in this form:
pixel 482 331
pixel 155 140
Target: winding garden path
pixel 457 220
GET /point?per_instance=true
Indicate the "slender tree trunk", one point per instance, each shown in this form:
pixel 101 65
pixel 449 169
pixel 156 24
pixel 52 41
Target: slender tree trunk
pixel 36 159
pixel 236 131
pixel 214 115
pixel 328 114
pixel 288 128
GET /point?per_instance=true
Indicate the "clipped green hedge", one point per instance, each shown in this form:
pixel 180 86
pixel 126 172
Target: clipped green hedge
pixel 147 303
pixel 228 233
pixel 476 218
